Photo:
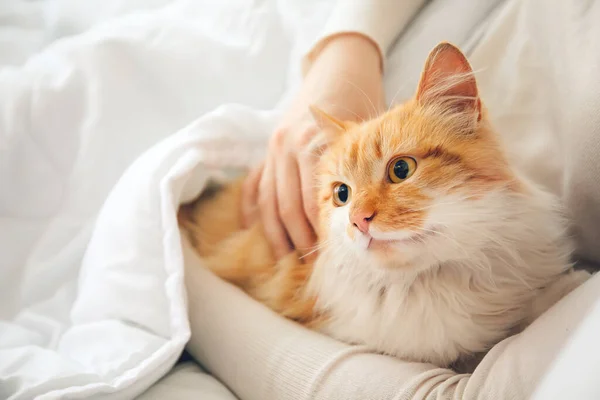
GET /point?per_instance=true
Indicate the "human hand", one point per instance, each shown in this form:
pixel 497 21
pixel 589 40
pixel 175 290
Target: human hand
pixel 346 81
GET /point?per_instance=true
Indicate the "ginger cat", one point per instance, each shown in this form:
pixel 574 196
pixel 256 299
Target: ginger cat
pixel 432 247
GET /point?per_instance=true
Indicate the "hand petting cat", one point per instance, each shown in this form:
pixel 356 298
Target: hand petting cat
pixel 345 79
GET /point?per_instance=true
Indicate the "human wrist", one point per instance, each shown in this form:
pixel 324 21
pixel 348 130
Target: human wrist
pixel 353 49
pixel 350 53
pixel 346 79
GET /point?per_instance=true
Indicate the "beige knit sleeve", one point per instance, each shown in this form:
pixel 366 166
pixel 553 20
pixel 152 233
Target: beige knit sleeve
pixel 262 356
pixel 379 20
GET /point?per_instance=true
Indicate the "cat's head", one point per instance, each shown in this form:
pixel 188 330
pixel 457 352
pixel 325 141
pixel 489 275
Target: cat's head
pixel 422 184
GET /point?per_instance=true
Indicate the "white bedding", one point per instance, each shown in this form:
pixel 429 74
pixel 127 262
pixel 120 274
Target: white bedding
pixel 92 288
pixel 91 268
pixel 188 381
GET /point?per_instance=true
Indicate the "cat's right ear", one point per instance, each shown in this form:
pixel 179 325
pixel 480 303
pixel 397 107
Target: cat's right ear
pixel 330 126
pixel 448 79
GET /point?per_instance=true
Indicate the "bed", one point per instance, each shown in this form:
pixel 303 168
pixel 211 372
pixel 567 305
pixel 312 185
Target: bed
pixel 112 113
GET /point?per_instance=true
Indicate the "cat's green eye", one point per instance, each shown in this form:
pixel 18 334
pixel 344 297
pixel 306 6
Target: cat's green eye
pixel 401 168
pixel 341 194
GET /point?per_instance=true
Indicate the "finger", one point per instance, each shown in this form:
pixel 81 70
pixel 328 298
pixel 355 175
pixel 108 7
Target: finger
pixel 267 200
pixel 291 209
pixel 250 211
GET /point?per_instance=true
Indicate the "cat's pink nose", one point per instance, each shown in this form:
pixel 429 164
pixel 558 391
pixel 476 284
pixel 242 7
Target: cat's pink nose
pixel 361 219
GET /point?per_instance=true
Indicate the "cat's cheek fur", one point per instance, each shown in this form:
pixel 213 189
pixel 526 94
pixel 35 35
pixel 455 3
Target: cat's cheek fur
pixel 338 221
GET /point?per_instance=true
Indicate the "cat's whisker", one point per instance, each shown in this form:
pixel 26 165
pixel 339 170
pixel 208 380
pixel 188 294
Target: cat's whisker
pixel 391 104
pixel 375 111
pixel 452 239
pixel 316 248
pixel 319 245
pixel 309 253
pixel 358 117
pixel 322 245
pixel 433 205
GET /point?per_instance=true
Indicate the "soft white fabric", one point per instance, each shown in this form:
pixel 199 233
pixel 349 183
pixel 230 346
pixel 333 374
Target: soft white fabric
pixel 93 304
pixel 92 301
pixel 187 381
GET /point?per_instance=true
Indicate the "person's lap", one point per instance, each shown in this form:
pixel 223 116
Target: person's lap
pixel 187 381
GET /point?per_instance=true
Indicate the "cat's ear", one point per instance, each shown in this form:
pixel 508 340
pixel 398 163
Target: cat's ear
pixel 448 79
pixel 329 125
pixel 330 128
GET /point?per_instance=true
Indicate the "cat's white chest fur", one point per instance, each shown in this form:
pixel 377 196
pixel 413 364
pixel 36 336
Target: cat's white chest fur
pixel 434 318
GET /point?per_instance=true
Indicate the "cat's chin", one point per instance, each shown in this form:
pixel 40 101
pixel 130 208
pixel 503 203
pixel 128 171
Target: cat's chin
pixel 390 254
pixel 402 250
pixel 383 245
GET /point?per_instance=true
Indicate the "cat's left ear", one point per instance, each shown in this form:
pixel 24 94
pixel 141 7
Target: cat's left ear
pixel 330 126
pixel 448 78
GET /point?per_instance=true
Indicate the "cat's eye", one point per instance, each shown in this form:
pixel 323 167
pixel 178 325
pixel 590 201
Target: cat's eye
pixel 341 194
pixel 401 168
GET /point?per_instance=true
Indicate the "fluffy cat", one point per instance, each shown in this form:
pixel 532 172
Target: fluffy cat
pixel 432 247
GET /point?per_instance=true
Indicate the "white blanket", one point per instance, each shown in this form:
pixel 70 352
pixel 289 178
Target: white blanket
pixel 92 287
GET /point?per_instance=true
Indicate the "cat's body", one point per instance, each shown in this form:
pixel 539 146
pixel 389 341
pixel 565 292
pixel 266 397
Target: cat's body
pixel 432 248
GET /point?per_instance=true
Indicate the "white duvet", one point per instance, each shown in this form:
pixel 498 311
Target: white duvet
pixel 91 279
pixel 124 110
